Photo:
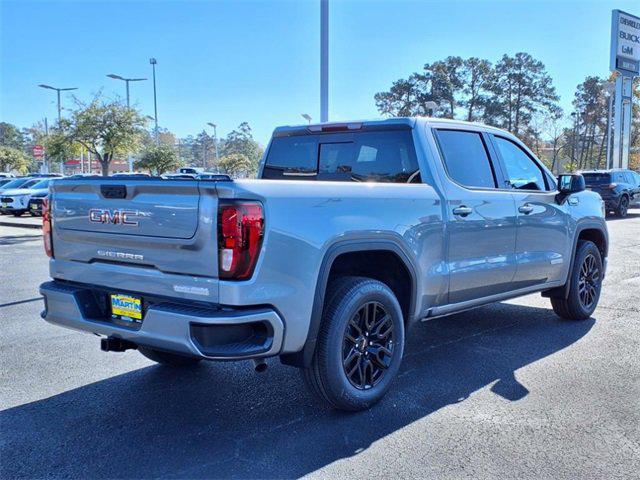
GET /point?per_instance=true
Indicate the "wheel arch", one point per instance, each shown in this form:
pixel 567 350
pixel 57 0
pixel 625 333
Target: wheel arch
pixel 590 230
pixel 339 249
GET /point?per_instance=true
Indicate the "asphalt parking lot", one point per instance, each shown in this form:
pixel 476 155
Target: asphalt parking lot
pixel 504 391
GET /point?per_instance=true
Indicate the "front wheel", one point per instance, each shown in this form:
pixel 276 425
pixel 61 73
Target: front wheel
pixel 623 207
pixel 585 284
pixel 359 346
pixel 168 359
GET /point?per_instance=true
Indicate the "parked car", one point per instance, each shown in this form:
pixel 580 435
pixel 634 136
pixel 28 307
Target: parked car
pixel 353 233
pixel 179 176
pixel 6 175
pixel 191 170
pixel 14 184
pixel 4 181
pixel 618 188
pixel 635 201
pixel 16 201
pixel 220 177
pixel 35 203
pixel 130 175
pixel 17 183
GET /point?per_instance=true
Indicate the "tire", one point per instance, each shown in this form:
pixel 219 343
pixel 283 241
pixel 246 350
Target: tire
pixel 623 207
pixel 168 359
pixel 348 302
pixel 580 304
pixel 17 214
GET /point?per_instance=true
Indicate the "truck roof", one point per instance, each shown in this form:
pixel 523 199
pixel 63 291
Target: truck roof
pixel 409 122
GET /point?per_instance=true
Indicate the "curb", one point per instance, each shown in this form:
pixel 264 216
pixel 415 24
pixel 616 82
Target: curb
pixel 20 225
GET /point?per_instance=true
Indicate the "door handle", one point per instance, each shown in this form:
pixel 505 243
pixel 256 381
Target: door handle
pixel 462 211
pixel 526 209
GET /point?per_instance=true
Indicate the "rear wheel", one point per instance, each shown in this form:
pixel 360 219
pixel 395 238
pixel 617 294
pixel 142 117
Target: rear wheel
pixel 169 359
pixel 585 284
pixel 359 346
pixel 17 214
pixel 623 207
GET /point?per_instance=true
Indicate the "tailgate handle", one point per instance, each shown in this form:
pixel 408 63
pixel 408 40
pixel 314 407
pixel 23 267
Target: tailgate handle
pixel 113 191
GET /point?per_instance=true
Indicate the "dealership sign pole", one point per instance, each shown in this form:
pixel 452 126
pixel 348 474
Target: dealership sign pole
pixel 624 59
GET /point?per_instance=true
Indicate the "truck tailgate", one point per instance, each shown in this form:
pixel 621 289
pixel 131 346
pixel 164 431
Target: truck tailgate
pixel 165 225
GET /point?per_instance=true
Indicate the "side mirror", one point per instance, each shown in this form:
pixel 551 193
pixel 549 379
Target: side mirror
pixel 569 183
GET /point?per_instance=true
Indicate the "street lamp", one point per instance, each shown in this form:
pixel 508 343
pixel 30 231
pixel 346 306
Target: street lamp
pixel 126 81
pixel 324 60
pixel 215 140
pixel 58 90
pixel 307 117
pixel 153 63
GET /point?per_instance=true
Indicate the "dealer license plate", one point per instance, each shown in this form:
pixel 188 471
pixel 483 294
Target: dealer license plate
pixel 126 306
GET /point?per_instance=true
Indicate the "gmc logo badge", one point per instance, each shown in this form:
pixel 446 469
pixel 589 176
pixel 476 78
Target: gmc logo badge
pixel 118 216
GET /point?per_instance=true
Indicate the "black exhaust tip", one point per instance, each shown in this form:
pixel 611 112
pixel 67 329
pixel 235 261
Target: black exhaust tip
pixel 114 344
pixel 259 365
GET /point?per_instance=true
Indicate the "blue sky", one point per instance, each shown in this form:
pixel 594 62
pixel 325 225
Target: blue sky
pixel 231 61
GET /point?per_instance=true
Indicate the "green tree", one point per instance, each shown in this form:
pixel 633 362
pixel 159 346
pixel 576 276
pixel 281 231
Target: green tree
pixel 203 149
pixel 634 154
pixel 238 165
pixel 440 82
pixel 159 159
pixel 11 136
pixel 476 76
pixel 590 114
pixel 445 77
pixel 13 159
pixel 520 88
pixel 241 142
pixel 104 128
pixel 405 98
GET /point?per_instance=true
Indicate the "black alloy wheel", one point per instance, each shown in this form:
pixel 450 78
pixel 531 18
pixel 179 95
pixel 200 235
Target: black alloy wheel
pixel 589 282
pixel 368 345
pixel 623 207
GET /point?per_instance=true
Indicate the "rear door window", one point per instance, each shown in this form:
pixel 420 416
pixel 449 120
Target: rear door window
pixel 466 158
pixel 367 156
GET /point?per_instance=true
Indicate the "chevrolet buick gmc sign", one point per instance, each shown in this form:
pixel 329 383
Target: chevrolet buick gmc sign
pixel 625 43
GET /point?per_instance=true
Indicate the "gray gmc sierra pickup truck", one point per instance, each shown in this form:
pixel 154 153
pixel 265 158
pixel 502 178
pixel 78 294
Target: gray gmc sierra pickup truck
pixel 352 233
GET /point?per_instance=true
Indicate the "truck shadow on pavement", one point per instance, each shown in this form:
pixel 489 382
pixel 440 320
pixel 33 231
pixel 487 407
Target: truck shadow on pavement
pixel 223 420
pixel 16 239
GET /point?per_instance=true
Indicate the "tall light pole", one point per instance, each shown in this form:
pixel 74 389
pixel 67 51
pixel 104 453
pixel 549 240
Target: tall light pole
pixel 609 88
pixel 306 116
pixel 324 60
pixel 58 90
pixel 215 140
pixel 126 81
pixel 153 63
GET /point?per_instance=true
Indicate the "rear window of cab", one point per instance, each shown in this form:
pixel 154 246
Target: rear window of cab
pixel 374 156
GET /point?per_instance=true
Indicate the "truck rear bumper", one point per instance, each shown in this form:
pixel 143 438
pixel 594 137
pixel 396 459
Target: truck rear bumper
pixel 216 334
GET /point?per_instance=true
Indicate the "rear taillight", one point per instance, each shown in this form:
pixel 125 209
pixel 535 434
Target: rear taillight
pixel 611 186
pixel 46 227
pixel 240 231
